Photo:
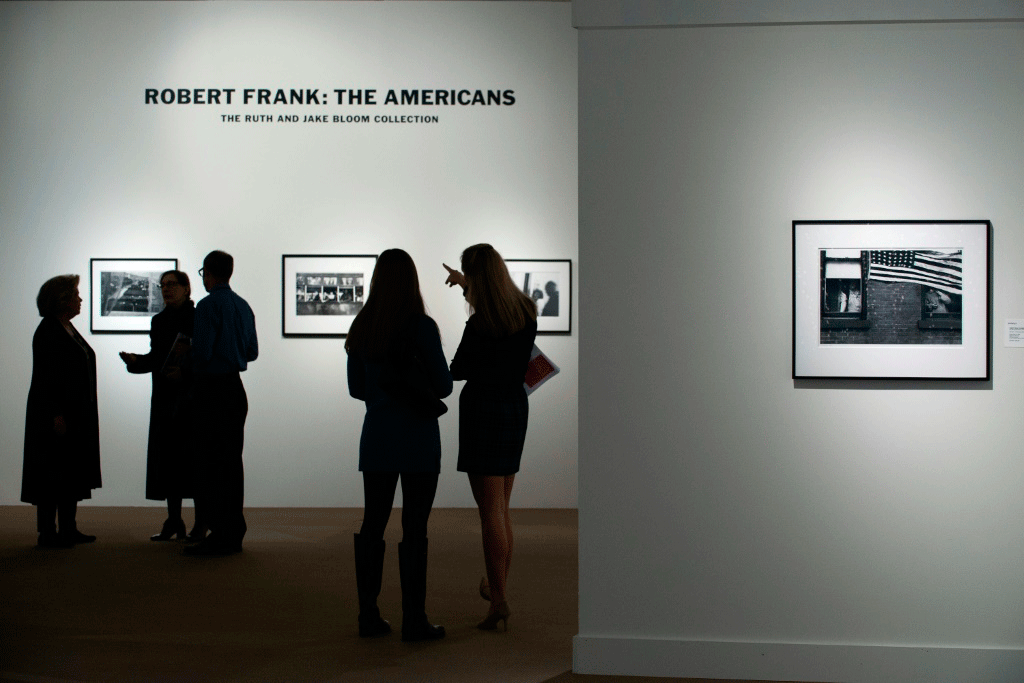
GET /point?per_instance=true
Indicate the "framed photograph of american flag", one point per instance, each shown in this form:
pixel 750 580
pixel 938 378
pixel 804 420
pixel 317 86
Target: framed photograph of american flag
pixel 891 299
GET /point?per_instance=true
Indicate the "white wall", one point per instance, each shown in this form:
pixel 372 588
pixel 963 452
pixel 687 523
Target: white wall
pixel 89 170
pixel 735 523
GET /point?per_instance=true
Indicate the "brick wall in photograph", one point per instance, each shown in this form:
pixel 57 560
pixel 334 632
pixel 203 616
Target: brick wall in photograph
pixel 893 309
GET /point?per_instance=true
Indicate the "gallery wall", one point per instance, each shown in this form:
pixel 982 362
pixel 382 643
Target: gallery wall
pixel 735 523
pixel 92 171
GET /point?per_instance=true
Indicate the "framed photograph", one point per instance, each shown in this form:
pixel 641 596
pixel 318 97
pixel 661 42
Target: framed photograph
pixel 125 293
pixel 321 295
pixel 549 283
pixel 891 299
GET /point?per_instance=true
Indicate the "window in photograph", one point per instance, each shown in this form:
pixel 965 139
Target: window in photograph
pixel 843 291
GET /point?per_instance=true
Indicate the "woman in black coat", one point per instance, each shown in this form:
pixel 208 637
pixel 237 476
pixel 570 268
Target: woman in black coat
pixel 397 367
pixel 169 473
pixel 62 438
pixel 493 408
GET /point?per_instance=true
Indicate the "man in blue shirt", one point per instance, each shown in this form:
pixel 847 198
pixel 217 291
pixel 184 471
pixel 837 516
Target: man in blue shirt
pixel 223 344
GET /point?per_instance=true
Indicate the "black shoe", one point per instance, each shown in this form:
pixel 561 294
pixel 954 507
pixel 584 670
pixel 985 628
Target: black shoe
pixel 171 528
pixel 412 566
pixel 75 537
pixel 369 569
pixel 51 539
pixel 197 534
pixel 372 625
pixel 420 628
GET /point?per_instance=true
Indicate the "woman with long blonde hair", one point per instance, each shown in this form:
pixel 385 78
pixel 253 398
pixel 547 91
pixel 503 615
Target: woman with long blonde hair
pixel 493 408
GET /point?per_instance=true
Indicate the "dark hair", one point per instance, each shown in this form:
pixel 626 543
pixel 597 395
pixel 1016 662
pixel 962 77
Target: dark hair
pixel 500 308
pixel 55 294
pixel 219 264
pixel 180 276
pixel 393 302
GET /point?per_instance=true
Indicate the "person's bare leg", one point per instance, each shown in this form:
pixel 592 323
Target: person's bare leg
pixel 509 480
pixel 489 493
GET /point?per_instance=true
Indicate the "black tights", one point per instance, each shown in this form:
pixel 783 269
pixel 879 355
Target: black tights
pixel 418 489
pixel 49 512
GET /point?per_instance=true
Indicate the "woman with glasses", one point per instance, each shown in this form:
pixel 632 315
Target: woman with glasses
pixel 168 472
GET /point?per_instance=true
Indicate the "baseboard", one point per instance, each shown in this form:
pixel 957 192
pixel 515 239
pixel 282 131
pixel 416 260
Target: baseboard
pixel 821 663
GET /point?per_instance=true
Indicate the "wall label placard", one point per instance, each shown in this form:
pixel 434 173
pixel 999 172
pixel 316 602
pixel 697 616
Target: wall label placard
pixel 1014 332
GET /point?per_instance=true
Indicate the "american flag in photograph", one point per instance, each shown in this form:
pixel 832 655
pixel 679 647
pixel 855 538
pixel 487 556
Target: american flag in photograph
pixel 940 269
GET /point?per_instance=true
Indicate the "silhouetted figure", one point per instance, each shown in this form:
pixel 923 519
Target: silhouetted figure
pixel 493 408
pixel 62 438
pixel 170 462
pixel 223 344
pixel 551 305
pixel 397 367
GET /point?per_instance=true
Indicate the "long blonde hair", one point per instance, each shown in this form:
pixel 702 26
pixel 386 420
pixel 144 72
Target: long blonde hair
pixel 500 307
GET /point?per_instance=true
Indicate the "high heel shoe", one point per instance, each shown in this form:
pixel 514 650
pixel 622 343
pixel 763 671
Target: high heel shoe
pixel 501 614
pixel 197 534
pixel 171 528
pixel 485 590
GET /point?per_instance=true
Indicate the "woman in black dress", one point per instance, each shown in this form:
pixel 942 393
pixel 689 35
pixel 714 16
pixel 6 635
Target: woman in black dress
pixel 493 408
pixel 62 436
pixel 168 472
pixel 394 355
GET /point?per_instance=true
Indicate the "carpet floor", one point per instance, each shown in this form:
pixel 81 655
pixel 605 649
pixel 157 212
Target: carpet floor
pixel 128 609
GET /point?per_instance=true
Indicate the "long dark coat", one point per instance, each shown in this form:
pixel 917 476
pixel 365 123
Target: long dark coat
pixel 60 468
pixel 168 469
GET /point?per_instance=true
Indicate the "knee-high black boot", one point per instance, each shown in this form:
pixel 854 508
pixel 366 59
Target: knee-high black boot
pixel 412 565
pixel 369 568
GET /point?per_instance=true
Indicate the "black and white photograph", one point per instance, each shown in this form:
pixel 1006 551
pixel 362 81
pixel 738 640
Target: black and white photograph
pixel 891 299
pixel 321 295
pixel 892 296
pixel 549 283
pixel 125 293
pixel 329 293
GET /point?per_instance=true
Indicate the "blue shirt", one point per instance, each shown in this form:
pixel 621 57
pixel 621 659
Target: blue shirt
pixel 224 339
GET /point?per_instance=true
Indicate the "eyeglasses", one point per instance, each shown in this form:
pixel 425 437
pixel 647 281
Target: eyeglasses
pixel 201 272
pixel 169 285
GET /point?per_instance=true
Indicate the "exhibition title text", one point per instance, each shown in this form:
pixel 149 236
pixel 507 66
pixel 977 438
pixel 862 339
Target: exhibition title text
pixel 338 96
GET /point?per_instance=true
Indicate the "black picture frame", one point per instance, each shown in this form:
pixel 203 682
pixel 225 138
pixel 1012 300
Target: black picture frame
pixel 554 304
pixel 892 299
pixel 124 293
pixel 322 293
